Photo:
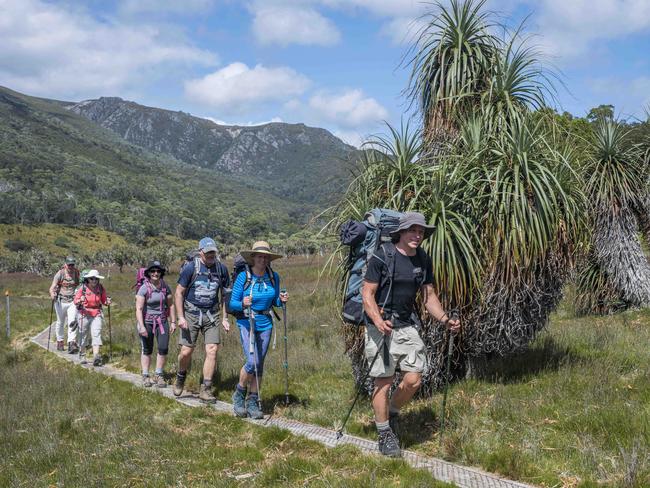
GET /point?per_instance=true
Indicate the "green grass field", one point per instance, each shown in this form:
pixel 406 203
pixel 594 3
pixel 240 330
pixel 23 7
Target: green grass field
pixel 572 411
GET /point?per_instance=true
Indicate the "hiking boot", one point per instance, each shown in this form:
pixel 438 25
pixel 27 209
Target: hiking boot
pixel 393 422
pixel 73 348
pixel 239 402
pixel 159 381
pixel 83 358
pixel 59 345
pixel 179 385
pixel 205 394
pixel 388 444
pixel 146 381
pixel 253 409
pixel 97 360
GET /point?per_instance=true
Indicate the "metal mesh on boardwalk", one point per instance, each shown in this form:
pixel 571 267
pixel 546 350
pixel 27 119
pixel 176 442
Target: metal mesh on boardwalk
pixel 441 470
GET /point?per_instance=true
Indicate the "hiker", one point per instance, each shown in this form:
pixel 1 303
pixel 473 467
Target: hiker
pixel 155 317
pixel 199 300
pixel 255 291
pixel 395 326
pixel 62 292
pixel 88 299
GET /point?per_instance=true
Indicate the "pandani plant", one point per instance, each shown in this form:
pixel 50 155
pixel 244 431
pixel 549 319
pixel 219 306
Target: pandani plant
pixel 491 175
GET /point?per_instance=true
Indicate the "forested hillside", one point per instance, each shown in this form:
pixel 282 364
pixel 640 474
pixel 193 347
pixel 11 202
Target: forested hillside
pixel 56 166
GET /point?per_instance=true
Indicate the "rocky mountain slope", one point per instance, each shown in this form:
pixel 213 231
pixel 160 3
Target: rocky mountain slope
pixel 304 164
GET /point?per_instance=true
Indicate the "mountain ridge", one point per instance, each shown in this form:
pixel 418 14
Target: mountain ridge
pixel 304 164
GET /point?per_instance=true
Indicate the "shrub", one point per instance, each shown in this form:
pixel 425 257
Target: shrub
pixel 16 245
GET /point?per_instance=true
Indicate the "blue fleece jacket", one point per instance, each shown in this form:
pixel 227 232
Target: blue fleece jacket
pixel 264 295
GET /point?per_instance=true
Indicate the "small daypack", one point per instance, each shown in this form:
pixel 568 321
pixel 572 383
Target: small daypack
pixel 364 238
pixel 241 266
pixel 140 278
pixel 75 273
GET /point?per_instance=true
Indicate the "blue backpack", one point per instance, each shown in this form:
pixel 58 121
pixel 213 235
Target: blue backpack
pixel 364 238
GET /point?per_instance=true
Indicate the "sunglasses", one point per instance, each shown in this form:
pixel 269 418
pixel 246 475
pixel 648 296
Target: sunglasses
pixel 158 271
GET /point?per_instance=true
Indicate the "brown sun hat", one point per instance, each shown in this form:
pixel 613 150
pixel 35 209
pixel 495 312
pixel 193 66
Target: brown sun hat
pixel 260 247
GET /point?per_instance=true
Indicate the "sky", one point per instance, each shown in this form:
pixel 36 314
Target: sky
pixel 337 64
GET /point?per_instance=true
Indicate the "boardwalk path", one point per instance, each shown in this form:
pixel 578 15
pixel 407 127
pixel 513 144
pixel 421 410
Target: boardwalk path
pixel 442 470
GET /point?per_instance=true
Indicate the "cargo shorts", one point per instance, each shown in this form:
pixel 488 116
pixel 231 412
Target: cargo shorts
pixel 405 349
pixel 200 322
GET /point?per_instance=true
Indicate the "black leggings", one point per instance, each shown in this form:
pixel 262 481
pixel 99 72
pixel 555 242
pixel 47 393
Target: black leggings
pixel 161 339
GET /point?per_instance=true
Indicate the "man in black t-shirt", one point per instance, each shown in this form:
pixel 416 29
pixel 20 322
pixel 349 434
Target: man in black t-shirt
pixel 395 275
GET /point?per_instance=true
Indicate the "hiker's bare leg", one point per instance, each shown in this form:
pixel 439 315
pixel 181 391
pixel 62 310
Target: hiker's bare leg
pixel 145 362
pixel 160 361
pixel 407 388
pixel 210 360
pixel 95 350
pixel 380 398
pixel 185 358
pixel 245 379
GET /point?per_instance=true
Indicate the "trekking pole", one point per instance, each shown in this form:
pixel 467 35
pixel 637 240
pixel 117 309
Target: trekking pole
pixel 450 351
pixel 252 347
pixel 286 351
pixel 82 340
pixel 110 336
pixel 49 330
pixel 339 433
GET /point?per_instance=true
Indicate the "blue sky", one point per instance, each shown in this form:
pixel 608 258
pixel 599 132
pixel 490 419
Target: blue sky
pixel 327 63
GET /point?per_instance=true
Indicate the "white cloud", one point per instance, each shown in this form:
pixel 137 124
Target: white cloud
pixel 244 124
pixel 48 50
pixel 629 96
pixel 570 29
pixel 352 137
pixel 157 7
pixel 236 88
pixel 284 25
pixel 351 109
pixel 403 30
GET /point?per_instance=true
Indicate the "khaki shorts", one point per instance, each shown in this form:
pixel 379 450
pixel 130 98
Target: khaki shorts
pixel 405 349
pixel 206 323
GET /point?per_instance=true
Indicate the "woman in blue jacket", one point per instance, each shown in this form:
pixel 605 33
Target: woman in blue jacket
pixel 255 291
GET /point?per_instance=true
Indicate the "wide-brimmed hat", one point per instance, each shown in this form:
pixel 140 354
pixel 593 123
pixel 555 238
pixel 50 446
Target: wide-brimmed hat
pixel 260 247
pixel 154 265
pixel 93 273
pixel 409 219
pixel 207 244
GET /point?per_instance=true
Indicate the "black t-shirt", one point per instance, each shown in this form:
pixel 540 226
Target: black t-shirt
pixel 405 281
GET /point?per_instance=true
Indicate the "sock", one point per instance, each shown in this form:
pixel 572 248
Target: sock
pixel 207 383
pixel 382 426
pixel 159 371
pixel 252 396
pixel 145 373
pixel 241 389
pixel 181 374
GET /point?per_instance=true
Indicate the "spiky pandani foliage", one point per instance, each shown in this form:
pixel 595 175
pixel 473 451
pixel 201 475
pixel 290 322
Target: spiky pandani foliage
pixel 506 216
pixel 617 187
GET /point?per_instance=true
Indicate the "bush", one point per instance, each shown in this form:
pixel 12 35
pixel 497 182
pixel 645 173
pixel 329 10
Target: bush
pixel 16 245
pixel 62 241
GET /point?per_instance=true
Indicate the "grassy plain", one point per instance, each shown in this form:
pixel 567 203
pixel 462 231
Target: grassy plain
pixel 574 410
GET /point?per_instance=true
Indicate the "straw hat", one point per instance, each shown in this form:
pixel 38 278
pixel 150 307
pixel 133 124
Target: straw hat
pixel 260 247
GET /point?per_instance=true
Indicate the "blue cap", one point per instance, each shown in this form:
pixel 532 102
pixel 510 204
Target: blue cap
pixel 207 244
